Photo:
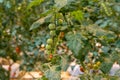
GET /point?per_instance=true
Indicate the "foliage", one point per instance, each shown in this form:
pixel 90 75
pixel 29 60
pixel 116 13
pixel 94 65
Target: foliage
pixel 4 74
pixel 25 23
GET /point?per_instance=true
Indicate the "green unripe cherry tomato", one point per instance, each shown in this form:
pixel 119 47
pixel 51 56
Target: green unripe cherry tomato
pixel 48 47
pixel 52 33
pixel 51 26
pixel 50 41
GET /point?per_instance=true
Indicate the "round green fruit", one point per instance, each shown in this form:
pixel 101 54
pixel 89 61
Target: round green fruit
pixel 49 41
pixel 98 63
pixel 48 47
pixel 51 26
pixel 95 66
pixel 19 8
pixel 52 33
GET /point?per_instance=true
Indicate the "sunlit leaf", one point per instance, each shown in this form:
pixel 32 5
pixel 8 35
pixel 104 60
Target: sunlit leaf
pixel 59 4
pixel 34 3
pixel 39 22
pixel 78 15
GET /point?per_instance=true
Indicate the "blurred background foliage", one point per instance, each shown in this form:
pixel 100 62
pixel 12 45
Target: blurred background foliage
pixel 24 23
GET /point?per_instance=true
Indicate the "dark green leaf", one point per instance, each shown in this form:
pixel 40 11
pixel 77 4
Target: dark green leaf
pixel 117 8
pixel 117 43
pixel 104 24
pixel 105 67
pixel 74 42
pixel 99 21
pixel 105 49
pixel 8 5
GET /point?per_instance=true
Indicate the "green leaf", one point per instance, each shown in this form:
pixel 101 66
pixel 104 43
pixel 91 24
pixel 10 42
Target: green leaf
pixel 47 12
pixel 110 37
pixel 1 1
pixel 59 4
pixel 43 78
pixel 95 53
pixel 62 28
pixel 78 15
pixel 117 8
pixel 14 33
pixel 39 22
pixel 34 3
pixel 117 43
pixel 117 73
pixel 2 53
pixel 58 68
pixel 64 63
pixel 105 67
pixel 52 72
pixel 4 74
pixel 99 21
pixel 36 52
pixel 97 77
pixel 105 49
pixel 115 57
pixel 104 24
pixel 78 45
pixel 8 4
pixel 74 42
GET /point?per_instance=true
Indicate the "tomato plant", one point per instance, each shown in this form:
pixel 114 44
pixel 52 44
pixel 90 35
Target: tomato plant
pixel 89 28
